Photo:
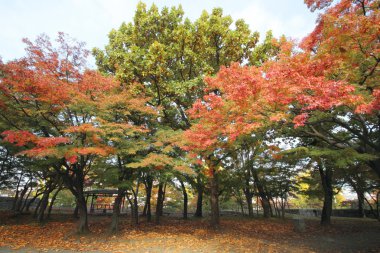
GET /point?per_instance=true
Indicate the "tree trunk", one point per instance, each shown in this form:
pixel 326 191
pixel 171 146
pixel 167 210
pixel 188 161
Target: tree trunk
pixel 131 204
pixel 283 204
pixel 214 199
pixel 26 200
pixel 240 200
pixel 248 197
pixel 30 202
pixel 75 183
pixel 184 199
pixel 275 206
pixel 266 206
pixel 162 200
pixel 82 208
pixel 149 208
pixel 135 210
pixel 20 199
pixel 160 196
pixel 270 207
pixel 248 193
pixel 263 197
pixel 357 185
pixel 375 165
pixel 44 203
pixel 37 208
pixel 145 210
pixel 327 209
pixel 149 186
pixel 361 210
pixel 53 200
pixel 370 207
pixel 135 200
pixel 15 198
pixel 377 205
pixel 76 212
pixel 116 211
pixel 198 211
pixel 326 177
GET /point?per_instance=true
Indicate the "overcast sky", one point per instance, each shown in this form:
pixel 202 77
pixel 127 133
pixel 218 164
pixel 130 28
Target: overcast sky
pixel 91 20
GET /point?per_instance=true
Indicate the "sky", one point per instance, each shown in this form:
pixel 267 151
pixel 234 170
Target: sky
pixel 91 20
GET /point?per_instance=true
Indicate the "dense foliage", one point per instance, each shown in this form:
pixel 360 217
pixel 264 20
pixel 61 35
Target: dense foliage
pixel 197 107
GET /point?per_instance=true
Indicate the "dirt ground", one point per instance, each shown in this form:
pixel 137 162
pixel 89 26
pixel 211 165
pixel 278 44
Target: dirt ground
pixel 237 234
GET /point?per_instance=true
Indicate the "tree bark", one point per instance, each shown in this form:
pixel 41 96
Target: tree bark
pixel 135 193
pixel 135 210
pixel 214 198
pixel 160 196
pixel 248 197
pixel 73 178
pixel 36 209
pixel 263 197
pixel 20 199
pixel 131 204
pixel 82 208
pixel 75 183
pixel 116 211
pixel 357 185
pixel 326 178
pixel 200 188
pixel 375 165
pixel 283 204
pixel 44 203
pixel 30 202
pixel 52 201
pixel 15 198
pixel 377 205
pixel 184 199
pixel 361 210
pixel 76 212
pixel 25 202
pixel 370 207
pixel 145 210
pixel 163 200
pixel 148 188
pixel 248 193
pixel 241 204
pixel 266 206
pixel 270 206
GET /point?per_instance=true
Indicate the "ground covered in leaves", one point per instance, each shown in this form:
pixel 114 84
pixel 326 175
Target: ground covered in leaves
pixel 237 234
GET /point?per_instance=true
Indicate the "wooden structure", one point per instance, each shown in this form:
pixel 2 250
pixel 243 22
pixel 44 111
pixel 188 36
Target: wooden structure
pixel 103 193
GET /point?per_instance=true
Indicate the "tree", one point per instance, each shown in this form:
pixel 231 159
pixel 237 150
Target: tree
pixel 347 36
pixel 306 87
pixel 53 107
pixel 170 55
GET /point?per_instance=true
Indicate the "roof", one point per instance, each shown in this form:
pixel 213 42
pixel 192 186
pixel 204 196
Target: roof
pixel 101 191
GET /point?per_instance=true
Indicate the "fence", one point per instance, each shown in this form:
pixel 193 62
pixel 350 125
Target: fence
pixel 335 212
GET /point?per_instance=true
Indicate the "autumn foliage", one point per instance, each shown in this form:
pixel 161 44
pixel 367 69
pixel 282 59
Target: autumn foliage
pixel 241 99
pixel 197 106
pixel 44 87
pixel 57 109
